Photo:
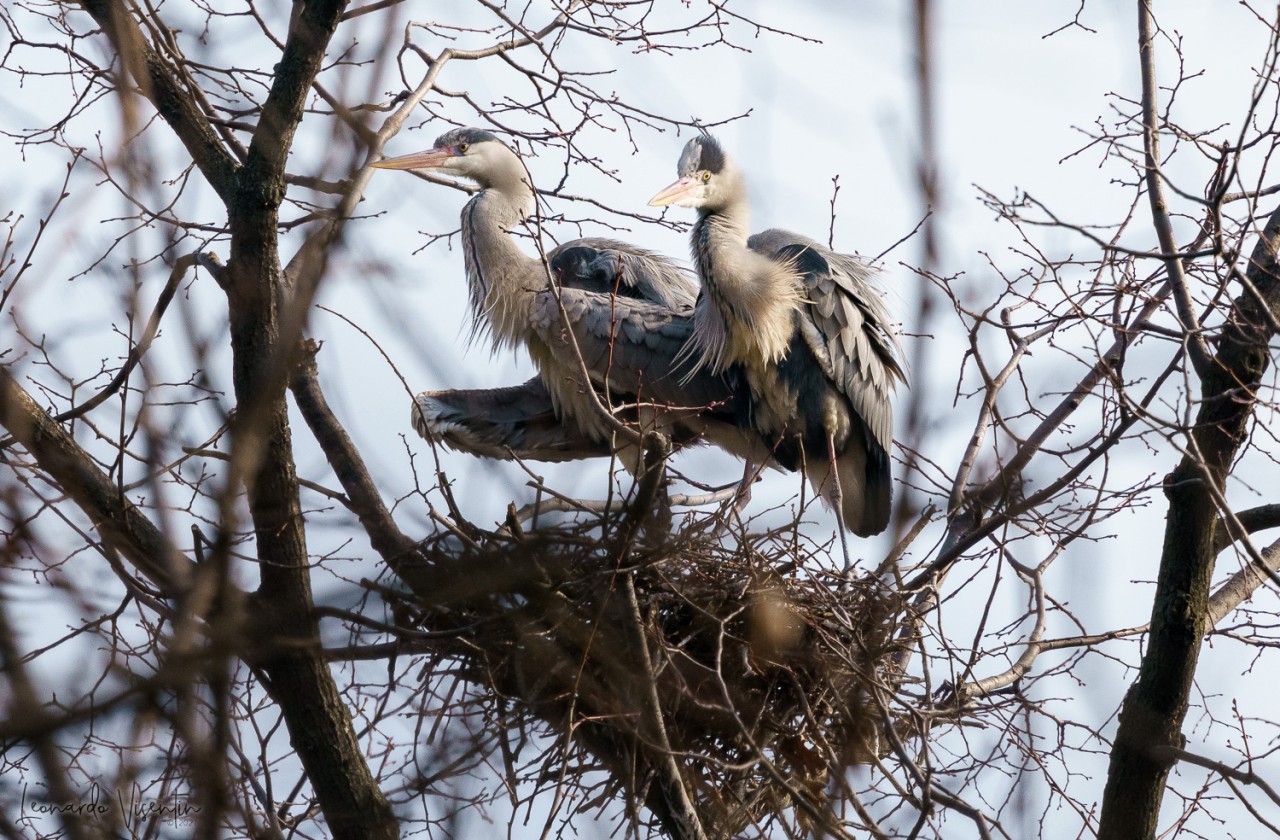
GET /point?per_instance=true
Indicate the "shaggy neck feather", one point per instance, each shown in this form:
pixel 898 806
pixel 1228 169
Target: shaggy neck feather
pixel 502 278
pixel 747 312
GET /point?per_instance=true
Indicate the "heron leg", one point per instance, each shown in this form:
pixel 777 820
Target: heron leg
pixel 743 495
pixel 837 501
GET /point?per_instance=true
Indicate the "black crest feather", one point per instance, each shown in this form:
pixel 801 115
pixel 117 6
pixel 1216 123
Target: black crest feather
pixel 702 152
pixel 471 136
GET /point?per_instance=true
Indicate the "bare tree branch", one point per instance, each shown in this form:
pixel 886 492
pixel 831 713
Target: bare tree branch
pixel 163 85
pixel 122 526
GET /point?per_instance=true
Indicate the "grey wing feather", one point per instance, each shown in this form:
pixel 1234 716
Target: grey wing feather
pixel 848 326
pixel 649 276
pixel 630 346
pixel 502 423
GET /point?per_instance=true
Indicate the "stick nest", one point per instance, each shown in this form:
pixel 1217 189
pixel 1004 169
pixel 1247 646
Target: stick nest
pixel 738 663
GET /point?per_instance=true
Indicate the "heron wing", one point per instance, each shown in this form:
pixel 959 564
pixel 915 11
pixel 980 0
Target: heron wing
pixel 630 346
pixel 846 324
pixel 643 274
pixel 503 423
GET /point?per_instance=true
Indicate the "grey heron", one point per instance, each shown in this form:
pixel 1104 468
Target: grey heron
pixel 812 336
pixel 629 310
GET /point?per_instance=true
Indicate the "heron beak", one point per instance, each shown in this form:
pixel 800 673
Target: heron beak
pixel 674 193
pixel 430 159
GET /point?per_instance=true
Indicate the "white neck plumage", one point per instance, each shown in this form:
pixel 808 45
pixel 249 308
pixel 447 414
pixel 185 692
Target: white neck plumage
pixel 746 313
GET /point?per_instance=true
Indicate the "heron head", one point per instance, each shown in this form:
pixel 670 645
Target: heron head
pixel 471 153
pixel 584 267
pixel 707 178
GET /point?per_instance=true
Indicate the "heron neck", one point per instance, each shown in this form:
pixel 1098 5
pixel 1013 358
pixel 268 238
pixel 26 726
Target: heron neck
pixel 746 312
pixel 728 226
pixel 720 243
pixel 501 277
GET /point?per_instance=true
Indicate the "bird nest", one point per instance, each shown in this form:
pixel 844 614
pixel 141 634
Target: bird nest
pixel 735 662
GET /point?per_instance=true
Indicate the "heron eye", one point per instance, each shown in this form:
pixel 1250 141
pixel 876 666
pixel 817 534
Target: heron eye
pixel 706 177
pixel 462 148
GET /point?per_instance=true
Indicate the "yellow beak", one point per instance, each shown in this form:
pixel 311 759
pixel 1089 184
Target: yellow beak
pixel 430 159
pixel 673 193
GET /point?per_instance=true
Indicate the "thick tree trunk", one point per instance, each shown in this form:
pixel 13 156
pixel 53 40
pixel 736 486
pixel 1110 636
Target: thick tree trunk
pixel 1156 704
pixel 319 723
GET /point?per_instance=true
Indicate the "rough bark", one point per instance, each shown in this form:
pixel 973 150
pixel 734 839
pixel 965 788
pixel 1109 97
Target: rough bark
pixel 318 721
pixel 1155 706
